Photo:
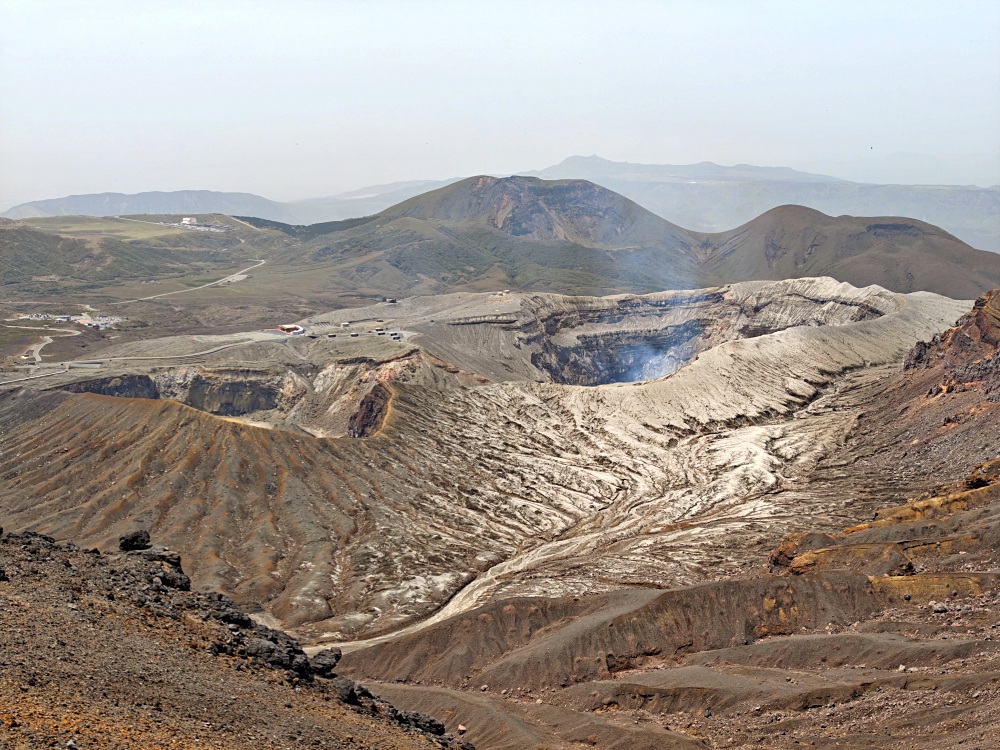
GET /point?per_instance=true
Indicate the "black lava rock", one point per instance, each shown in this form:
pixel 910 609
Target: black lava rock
pixel 346 690
pixel 421 722
pixel 170 573
pixel 134 540
pixel 324 662
pixel 279 651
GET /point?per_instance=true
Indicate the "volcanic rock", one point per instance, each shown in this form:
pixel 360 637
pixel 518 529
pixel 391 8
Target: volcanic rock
pixel 134 540
pixel 83 664
pixel 324 662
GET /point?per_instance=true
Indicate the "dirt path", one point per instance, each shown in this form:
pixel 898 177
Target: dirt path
pixel 240 221
pixel 230 277
pixel 36 349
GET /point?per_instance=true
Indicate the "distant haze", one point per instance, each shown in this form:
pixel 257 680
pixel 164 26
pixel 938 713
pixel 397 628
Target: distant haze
pixel 303 99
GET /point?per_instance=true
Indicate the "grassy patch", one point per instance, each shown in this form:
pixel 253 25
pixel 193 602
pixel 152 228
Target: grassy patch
pixel 12 340
pixel 87 226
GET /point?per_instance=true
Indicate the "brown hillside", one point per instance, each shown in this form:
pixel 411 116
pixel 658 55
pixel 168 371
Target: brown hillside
pixel 543 210
pixel 900 254
pixel 543 234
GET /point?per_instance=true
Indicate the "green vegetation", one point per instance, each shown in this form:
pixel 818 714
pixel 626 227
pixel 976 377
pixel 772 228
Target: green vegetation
pixel 481 234
pixel 91 258
pixel 12 340
pixel 85 226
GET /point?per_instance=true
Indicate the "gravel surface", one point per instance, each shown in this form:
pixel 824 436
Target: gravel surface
pixel 113 651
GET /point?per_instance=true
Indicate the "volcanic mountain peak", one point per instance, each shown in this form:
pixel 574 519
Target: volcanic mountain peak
pixel 897 253
pixel 793 216
pixel 529 208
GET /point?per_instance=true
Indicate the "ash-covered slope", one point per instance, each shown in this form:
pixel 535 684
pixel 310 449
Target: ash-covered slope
pixel 876 635
pixel 472 481
pixel 873 636
pixel 899 254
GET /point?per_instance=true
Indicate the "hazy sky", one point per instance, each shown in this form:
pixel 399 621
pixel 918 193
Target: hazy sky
pixel 302 98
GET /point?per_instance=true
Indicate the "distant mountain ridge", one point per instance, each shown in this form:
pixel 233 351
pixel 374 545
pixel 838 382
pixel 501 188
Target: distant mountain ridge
pixel 361 202
pixel 596 166
pixel 710 198
pixel 705 197
pixel 572 235
pixel 155 202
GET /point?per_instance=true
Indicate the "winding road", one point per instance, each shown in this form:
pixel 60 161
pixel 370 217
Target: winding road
pixel 36 349
pixel 230 277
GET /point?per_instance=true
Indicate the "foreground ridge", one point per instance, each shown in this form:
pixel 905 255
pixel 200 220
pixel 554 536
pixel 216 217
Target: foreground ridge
pixel 115 651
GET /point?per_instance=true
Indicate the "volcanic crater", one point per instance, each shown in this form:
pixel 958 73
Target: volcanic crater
pixel 561 519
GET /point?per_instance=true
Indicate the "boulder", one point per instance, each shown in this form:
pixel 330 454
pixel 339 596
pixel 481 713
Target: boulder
pixel 134 540
pixel 324 662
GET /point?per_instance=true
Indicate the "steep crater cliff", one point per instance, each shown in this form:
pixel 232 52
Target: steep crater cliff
pixel 344 397
pixel 228 392
pixel 633 339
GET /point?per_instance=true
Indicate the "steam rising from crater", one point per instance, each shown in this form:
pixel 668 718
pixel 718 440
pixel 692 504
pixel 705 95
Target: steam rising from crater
pixel 654 364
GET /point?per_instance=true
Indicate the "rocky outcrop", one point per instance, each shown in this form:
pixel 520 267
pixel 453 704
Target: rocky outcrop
pixel 222 391
pixel 968 354
pixel 123 386
pixel 371 413
pixel 134 540
pixel 164 665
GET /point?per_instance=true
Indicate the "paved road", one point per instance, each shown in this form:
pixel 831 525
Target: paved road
pixel 31 377
pixel 230 277
pixel 36 349
pixel 100 360
pixel 213 350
